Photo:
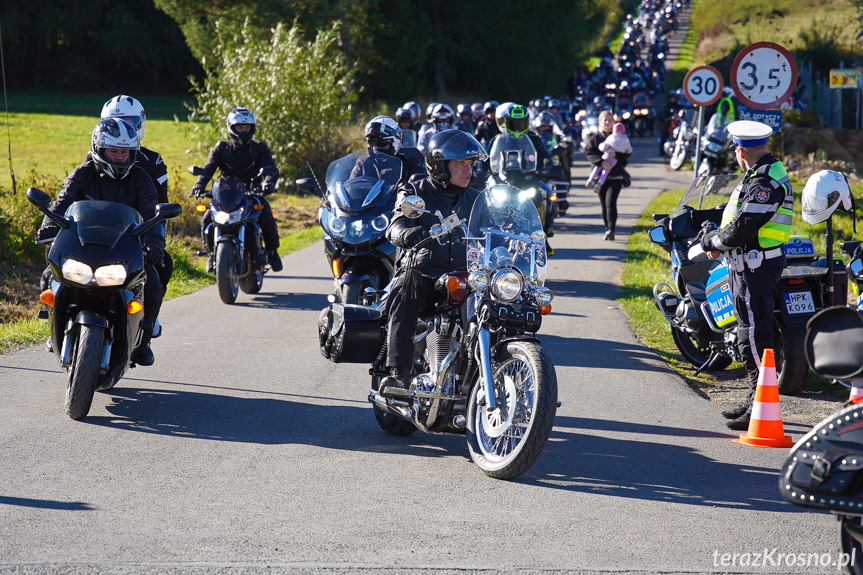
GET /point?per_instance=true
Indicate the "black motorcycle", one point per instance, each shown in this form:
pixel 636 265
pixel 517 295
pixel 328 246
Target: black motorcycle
pixel 95 301
pixel 824 469
pixel 479 368
pixel 698 303
pixel 356 209
pixel 241 260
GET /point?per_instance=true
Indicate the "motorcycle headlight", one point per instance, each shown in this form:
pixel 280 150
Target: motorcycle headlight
pixel 224 218
pixel 626 115
pixel 355 228
pixel 380 223
pixel 543 296
pixel 113 275
pixel 478 281
pixel 528 194
pixel 77 272
pixel 506 284
pixel 338 225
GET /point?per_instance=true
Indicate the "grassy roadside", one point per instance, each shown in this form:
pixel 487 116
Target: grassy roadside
pixel 647 264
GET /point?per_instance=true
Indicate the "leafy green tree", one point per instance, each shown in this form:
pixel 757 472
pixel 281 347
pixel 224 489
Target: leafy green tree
pixel 300 91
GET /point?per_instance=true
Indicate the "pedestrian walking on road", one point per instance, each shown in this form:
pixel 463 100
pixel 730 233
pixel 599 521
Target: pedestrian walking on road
pixel 610 190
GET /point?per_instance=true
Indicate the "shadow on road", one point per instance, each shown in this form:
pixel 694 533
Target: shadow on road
pixel 286 301
pixel 640 469
pixel 46 504
pixel 594 353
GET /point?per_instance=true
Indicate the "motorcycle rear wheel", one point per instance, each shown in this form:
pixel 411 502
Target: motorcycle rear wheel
pixel 505 443
pixel 695 354
pixel 85 371
pixel 850 533
pixel 227 278
pixel 390 423
pixel 791 366
pixel 678 158
pixel 350 293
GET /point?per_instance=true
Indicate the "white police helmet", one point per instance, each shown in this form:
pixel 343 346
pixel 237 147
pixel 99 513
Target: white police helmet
pixel 823 193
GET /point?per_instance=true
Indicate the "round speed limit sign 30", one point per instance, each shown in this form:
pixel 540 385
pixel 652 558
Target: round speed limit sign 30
pixel 703 85
pixel 763 75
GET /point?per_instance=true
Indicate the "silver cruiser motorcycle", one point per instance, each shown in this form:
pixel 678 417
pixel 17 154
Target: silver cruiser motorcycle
pixel 479 369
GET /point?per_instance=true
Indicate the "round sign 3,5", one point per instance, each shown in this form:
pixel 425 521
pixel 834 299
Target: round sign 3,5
pixel 763 75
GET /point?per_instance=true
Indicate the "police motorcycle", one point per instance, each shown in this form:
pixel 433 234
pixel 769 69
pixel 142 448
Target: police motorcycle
pixel 513 161
pixel 479 368
pixel 95 300
pixel 360 194
pixel 240 258
pixel 698 302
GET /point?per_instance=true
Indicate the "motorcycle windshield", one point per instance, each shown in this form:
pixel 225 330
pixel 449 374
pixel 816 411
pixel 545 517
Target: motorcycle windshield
pixel 409 138
pixel 228 197
pixel 708 191
pixel 512 153
pixel 362 180
pixel 102 223
pixel 504 230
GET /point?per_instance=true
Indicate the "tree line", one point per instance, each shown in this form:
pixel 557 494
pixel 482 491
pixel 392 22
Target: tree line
pixel 400 50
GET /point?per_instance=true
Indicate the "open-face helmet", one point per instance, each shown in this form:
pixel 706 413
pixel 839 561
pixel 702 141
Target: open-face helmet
pixel 824 192
pixel 452 144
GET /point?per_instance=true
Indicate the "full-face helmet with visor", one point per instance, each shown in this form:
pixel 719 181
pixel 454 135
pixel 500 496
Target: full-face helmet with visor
pixel 109 136
pixel 241 116
pixel 384 135
pixel 129 109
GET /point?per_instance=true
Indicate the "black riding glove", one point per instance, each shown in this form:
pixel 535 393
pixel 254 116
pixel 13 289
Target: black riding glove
pixel 47 232
pixel 414 236
pixel 153 254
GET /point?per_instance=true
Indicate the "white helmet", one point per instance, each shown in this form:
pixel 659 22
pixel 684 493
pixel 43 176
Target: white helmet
pixel 822 195
pixel 126 108
pixel 241 116
pixel 117 134
pixel 383 134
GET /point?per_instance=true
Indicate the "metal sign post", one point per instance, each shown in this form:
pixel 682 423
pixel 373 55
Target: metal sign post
pixel 702 86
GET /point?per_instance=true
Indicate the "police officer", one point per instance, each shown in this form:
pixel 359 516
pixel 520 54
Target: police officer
pixel 755 225
pixel 449 158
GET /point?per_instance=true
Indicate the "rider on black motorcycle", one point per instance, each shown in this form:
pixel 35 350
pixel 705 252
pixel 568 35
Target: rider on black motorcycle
pixel 449 158
pixel 487 129
pixel 131 110
pixel 242 157
pixel 110 174
pixel 384 136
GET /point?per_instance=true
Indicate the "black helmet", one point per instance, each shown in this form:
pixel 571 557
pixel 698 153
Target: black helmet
pixel 490 106
pixel 429 109
pixel 449 145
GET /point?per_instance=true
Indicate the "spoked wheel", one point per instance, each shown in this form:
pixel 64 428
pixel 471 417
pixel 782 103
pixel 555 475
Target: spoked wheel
pixel 695 353
pixel 85 371
pixel 227 278
pixel 505 441
pixel 850 532
pixel 678 157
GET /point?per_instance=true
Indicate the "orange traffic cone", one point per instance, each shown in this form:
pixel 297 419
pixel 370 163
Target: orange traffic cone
pixel 856 392
pixel 765 425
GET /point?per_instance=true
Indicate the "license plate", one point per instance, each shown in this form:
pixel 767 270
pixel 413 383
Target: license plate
pixel 799 302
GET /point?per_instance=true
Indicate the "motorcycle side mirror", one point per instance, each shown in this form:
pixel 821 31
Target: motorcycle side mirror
pixel 310 186
pixel 856 267
pixel 163 212
pixel 413 207
pixel 41 200
pixel 657 235
pixel 196 171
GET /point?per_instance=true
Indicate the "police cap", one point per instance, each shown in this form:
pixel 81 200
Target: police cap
pixel 748 134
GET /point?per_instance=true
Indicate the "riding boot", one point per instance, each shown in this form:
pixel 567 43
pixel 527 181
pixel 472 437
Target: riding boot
pixel 399 378
pixel 275 260
pixel 741 422
pixel 143 355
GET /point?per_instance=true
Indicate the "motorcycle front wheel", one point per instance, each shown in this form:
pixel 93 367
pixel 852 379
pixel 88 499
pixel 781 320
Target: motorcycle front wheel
pixel 350 293
pixel 678 157
pixel 85 371
pixel 506 441
pixel 850 532
pixel 253 283
pixel 697 354
pixel 227 278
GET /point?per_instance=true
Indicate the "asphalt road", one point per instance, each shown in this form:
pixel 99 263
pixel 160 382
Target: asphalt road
pixel 244 451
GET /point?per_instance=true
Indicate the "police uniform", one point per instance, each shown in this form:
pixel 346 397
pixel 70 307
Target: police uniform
pixel 755 226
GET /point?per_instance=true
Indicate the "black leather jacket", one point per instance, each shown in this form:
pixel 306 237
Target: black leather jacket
pixel 433 259
pixel 157 170
pixel 234 160
pixel 87 183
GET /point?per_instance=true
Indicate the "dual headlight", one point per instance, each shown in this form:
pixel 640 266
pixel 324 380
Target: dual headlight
pixel 506 285
pixel 356 228
pixel 228 218
pixel 81 273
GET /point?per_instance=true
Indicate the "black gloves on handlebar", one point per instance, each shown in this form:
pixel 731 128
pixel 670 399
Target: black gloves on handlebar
pixel 269 187
pixel 46 233
pixel 153 254
pixel 706 235
pixel 413 236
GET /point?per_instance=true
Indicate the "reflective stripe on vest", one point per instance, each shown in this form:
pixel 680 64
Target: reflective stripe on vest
pixel 778 229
